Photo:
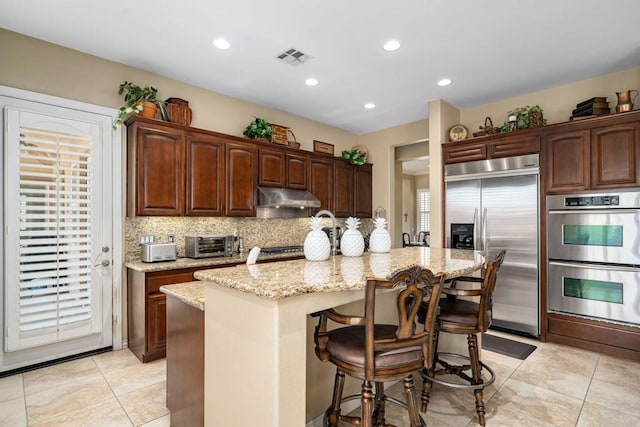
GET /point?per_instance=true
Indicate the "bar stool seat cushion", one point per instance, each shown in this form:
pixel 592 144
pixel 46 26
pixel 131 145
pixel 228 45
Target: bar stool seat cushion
pixel 347 344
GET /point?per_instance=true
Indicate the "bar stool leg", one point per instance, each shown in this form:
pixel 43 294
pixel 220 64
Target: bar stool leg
pixel 367 403
pixel 476 371
pixel 428 373
pixel 379 409
pixel 412 403
pixel 333 413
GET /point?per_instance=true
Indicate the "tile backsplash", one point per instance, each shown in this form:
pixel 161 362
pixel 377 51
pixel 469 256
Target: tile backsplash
pixel 256 231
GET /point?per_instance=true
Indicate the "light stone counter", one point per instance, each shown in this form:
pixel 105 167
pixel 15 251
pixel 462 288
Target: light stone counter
pixel 147 267
pixel 258 338
pixel 191 293
pixel 285 279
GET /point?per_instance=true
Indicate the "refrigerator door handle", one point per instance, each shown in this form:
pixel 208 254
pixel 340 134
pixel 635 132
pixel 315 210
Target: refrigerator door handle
pixel 484 231
pixel 475 228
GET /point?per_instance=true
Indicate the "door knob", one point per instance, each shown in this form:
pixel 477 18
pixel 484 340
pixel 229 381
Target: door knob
pixel 105 263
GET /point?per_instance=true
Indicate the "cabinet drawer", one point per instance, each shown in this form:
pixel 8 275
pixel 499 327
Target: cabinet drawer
pixel 514 146
pixel 464 152
pixel 168 278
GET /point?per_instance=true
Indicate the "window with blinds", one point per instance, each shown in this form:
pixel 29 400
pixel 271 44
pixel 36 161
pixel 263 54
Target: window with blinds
pixel 51 300
pixel 423 204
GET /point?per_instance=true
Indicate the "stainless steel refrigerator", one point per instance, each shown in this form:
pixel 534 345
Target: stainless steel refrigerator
pixel 493 205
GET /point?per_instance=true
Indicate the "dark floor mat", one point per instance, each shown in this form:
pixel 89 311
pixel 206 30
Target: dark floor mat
pixel 507 347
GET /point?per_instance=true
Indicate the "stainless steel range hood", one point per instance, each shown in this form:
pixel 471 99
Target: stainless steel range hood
pixel 284 203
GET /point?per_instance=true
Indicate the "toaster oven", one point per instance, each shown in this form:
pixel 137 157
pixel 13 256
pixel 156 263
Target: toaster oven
pixel 208 246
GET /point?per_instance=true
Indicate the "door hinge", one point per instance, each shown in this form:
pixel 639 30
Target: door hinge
pixel 115 320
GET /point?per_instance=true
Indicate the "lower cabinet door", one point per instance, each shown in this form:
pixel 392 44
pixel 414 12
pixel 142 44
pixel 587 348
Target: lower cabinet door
pixel 157 322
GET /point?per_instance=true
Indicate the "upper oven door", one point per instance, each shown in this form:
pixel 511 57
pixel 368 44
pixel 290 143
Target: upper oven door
pixel 602 235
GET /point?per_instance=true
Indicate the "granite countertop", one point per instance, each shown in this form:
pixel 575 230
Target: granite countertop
pixel 191 293
pixel 148 267
pixel 278 280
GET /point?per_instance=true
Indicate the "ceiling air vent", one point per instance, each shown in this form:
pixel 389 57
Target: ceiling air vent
pixel 293 57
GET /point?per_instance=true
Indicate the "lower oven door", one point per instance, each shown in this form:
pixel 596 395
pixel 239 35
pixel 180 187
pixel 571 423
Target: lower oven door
pixel 594 290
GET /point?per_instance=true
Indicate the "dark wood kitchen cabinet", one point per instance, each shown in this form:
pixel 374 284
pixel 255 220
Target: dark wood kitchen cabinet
pixel 602 153
pixel 297 171
pixel 567 160
pixel 321 181
pixel 146 310
pixel 492 147
pixel 155 169
pixel 241 179
pixel 204 175
pixel 272 167
pixel 343 193
pixel 615 156
pixel 172 171
pixel 362 191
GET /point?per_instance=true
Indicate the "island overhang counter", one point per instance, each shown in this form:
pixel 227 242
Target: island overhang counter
pixel 256 334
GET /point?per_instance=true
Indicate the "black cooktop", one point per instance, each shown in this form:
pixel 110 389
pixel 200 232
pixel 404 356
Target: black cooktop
pixel 281 250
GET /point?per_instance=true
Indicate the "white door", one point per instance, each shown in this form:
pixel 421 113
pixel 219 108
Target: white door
pixel 58 232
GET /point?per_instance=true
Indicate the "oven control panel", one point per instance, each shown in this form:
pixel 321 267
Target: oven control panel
pixel 604 200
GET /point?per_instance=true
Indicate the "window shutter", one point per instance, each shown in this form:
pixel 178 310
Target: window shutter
pixel 424 210
pixel 50 294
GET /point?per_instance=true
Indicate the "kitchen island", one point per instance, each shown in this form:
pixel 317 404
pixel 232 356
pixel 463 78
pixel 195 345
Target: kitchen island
pixel 256 341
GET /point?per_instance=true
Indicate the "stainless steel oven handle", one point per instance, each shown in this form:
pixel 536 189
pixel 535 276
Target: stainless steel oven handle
pixel 592 211
pixel 596 266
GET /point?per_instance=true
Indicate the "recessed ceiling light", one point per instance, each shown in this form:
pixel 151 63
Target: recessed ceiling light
pixel 444 82
pixel 311 82
pixel 369 105
pixel 221 44
pixel 391 45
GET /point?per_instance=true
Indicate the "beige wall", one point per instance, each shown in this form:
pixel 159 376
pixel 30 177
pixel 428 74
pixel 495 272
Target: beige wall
pixel 58 71
pixel 557 102
pixel 387 176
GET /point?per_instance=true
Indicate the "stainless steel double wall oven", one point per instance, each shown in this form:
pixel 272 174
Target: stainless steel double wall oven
pixel 593 246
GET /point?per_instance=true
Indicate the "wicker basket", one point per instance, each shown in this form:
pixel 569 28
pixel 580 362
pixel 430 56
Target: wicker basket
pixel 179 111
pixel 489 129
pixel 280 134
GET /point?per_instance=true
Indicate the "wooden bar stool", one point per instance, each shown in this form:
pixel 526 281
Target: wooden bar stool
pixel 377 353
pixel 461 316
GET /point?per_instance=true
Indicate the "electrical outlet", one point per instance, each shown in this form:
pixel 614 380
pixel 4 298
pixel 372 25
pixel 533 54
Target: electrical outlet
pixel 146 238
pixel 171 238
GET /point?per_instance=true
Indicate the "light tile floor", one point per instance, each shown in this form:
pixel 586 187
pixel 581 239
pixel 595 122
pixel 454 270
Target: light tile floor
pixel 555 386
pixel 109 389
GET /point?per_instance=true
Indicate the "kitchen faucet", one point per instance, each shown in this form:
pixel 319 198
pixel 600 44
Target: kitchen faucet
pixel 334 249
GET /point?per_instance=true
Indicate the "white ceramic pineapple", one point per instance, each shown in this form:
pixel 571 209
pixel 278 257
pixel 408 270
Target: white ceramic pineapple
pixel 380 240
pixel 352 242
pixel 316 244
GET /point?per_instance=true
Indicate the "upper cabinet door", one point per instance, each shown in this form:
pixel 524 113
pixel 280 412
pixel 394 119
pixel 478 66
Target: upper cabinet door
pixel 297 171
pixel 567 160
pixel 362 192
pixel 205 175
pixel 272 172
pixel 156 170
pixel 321 182
pixel 615 156
pixel 241 172
pixel 343 194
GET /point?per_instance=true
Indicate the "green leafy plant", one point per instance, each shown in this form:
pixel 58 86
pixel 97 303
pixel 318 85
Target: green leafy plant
pixel 522 117
pixel 258 128
pixel 355 157
pixel 134 98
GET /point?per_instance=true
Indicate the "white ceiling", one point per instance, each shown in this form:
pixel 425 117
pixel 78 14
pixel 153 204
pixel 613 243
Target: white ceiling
pixel 416 167
pixel 490 49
